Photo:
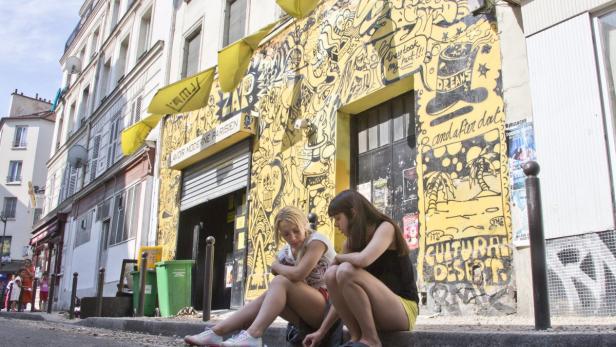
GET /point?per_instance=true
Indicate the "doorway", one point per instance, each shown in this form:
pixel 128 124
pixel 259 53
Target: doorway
pixel 384 159
pixel 213 218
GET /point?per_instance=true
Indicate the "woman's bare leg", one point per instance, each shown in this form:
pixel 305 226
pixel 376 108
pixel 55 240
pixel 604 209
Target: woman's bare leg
pixel 240 319
pixel 339 302
pixel 296 296
pixel 372 304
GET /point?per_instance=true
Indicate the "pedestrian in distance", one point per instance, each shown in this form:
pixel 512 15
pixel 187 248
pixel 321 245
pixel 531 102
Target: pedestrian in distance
pixel 27 278
pixel 372 285
pixel 44 291
pixel 297 293
pixel 16 289
pixel 6 294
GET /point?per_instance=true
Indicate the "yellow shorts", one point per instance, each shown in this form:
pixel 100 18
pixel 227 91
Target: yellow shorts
pixel 412 310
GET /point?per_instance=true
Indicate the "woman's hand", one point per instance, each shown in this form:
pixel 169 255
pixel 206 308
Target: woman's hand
pixel 273 267
pixel 312 340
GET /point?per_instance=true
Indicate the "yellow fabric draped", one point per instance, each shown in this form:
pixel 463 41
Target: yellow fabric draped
pixel 233 60
pixel 298 8
pixel 134 136
pixel 186 95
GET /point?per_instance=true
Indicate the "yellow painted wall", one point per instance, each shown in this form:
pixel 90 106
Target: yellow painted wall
pixel 349 55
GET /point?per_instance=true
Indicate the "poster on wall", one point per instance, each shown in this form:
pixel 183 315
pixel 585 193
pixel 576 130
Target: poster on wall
pixel 381 194
pixel 365 189
pixel 520 149
pixel 410 226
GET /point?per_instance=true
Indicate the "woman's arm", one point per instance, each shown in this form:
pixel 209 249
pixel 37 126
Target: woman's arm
pixel 315 338
pixel 314 251
pixel 380 241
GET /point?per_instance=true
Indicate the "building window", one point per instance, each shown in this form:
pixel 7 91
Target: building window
pixel 83 229
pixel 19 140
pixel 192 46
pixel 135 112
pixel 14 175
pixel 10 207
pixel 94 43
pixel 113 140
pixel 126 215
pixel 96 146
pixel 115 12
pixel 6 247
pixel 84 106
pixel 235 21
pixel 37 215
pixel 72 118
pixel 104 86
pixel 144 33
pixel 122 61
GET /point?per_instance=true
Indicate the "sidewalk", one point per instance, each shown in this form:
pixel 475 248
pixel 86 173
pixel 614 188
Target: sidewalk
pixel 430 330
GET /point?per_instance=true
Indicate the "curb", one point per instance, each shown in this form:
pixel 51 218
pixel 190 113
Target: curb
pixel 436 336
pixel 22 315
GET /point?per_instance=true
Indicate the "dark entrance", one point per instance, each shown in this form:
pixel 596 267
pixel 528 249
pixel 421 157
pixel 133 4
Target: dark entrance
pixel 384 151
pixel 213 218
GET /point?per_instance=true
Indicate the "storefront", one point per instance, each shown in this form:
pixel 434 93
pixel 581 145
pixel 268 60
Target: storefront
pixel 400 102
pixel 47 242
pixel 215 176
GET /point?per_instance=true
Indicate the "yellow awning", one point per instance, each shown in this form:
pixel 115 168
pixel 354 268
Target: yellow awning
pixel 298 8
pixel 233 60
pixel 134 136
pixel 186 95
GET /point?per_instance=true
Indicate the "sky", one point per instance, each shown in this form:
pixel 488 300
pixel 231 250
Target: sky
pixel 32 38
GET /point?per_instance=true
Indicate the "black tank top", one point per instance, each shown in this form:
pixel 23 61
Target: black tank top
pixel 396 272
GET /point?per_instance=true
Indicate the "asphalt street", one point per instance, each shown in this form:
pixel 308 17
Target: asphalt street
pixel 15 332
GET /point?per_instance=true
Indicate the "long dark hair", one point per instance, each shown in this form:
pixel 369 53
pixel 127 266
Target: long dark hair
pixel 365 214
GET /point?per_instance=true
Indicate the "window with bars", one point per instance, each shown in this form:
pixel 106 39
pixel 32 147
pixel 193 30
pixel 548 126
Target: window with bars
pixel 14 175
pixel 10 207
pixel 19 140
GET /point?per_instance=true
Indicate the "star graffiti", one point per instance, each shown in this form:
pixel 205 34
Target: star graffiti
pixel 483 70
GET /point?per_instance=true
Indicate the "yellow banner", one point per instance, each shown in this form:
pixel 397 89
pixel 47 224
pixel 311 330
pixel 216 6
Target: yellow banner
pixel 186 95
pixel 233 60
pixel 298 8
pixel 134 136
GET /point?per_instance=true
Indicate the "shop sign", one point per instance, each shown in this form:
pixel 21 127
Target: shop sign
pixel 226 133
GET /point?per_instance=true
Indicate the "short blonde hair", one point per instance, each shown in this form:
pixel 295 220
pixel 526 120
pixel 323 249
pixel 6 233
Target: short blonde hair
pixel 293 215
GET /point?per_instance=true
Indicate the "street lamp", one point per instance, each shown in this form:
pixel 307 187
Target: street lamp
pixel 3 219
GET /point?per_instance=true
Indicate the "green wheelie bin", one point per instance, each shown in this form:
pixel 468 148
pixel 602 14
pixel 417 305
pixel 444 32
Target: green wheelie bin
pixel 174 280
pixel 149 307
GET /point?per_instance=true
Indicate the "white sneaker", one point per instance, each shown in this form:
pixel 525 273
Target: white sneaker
pixel 206 338
pixel 243 339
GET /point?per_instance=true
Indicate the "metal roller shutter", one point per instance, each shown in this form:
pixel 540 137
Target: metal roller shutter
pixel 223 173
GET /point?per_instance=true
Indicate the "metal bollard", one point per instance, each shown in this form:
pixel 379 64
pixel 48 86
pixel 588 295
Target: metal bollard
pixel 99 292
pixel 207 279
pixel 142 273
pixel 313 219
pixel 195 251
pixel 52 286
pixel 71 312
pixel 537 247
pixel 34 287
